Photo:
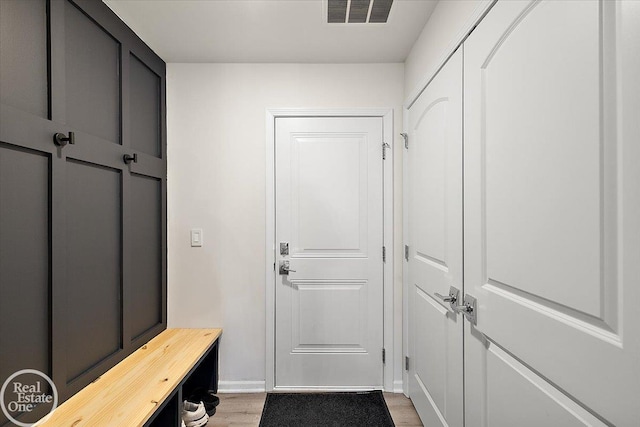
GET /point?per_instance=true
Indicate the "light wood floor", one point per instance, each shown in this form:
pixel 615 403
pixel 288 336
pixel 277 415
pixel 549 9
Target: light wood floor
pixel 244 410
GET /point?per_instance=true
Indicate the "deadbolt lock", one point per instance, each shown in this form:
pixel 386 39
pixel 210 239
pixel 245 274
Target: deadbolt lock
pixel 284 248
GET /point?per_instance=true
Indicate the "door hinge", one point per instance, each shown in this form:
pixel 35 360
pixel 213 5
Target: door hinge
pixel 384 254
pixel 406 140
pixel 406 363
pixel 274 266
pixel 406 252
pixel 384 356
pixel 384 150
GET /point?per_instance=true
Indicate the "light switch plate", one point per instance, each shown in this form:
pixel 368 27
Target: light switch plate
pixel 196 237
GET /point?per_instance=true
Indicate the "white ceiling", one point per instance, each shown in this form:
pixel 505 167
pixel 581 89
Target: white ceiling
pixel 269 31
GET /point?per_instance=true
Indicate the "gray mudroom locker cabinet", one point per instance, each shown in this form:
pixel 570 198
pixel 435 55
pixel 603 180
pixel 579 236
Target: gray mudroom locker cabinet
pixel 82 191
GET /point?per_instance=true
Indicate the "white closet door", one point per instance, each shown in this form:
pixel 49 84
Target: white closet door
pixel 435 242
pixel 552 214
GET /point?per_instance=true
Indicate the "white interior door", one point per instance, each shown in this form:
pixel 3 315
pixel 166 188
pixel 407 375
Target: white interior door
pixel 552 214
pixel 329 210
pixel 435 248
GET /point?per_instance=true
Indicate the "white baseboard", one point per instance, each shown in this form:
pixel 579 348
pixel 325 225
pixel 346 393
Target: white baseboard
pixel 241 386
pixel 300 389
pixel 260 387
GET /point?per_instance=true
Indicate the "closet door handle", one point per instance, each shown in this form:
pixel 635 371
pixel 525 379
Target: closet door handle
pixel 128 158
pixel 454 294
pixel 60 139
pixel 448 298
pixel 468 309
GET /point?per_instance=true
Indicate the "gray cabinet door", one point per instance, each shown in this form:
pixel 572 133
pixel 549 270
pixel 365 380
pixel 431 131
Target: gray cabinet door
pixel 82 231
pixel 25 197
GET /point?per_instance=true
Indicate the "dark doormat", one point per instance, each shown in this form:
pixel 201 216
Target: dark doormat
pixel 326 409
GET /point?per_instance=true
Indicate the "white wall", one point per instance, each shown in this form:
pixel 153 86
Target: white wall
pixel 216 181
pixel 450 20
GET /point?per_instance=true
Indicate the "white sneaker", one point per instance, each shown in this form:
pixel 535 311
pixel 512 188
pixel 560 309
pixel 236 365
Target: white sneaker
pixel 194 414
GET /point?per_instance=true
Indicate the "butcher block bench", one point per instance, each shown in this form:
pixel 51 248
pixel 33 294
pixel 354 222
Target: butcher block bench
pixel 146 388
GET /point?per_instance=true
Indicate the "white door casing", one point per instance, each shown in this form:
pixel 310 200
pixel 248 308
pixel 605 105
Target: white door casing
pixel 435 248
pixel 329 209
pixel 552 214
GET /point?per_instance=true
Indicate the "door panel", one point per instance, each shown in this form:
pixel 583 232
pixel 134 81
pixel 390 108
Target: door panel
pixel 23 55
pixel 429 360
pixel 92 69
pixel 517 247
pixel 144 107
pixel 342 308
pixel 145 310
pixel 94 259
pixel 329 210
pixel 435 241
pixel 430 183
pixel 515 395
pixel 548 208
pixel 24 235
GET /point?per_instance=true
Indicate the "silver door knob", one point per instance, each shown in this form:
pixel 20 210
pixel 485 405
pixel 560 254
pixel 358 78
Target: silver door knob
pixel 468 309
pixel 284 268
pixel 454 293
pixel 464 308
pixel 448 298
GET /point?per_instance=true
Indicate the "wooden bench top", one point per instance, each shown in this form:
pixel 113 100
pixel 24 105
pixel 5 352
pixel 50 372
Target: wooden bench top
pixel 130 392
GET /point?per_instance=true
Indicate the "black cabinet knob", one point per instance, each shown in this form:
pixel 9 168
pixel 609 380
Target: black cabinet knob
pixel 128 158
pixel 60 139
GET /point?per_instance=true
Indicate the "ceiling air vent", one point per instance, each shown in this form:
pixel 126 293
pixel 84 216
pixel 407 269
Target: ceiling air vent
pixel 358 11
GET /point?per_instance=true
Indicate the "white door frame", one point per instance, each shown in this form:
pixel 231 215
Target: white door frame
pixel 405 262
pixel 270 275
